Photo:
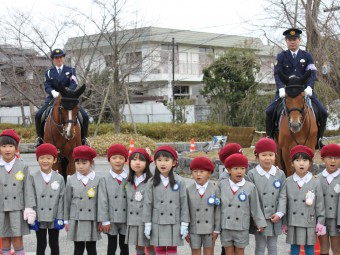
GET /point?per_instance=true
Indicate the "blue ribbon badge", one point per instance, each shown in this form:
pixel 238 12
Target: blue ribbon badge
pixel 212 200
pixel 277 184
pixel 242 196
pixel 175 187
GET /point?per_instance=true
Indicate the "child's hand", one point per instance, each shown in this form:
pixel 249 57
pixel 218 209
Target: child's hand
pixel 106 228
pixel 187 238
pixel 260 230
pixel 100 227
pixel 66 227
pixel 275 218
pixel 214 236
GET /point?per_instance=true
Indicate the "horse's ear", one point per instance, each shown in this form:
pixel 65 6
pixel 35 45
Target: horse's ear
pixel 80 91
pixel 306 76
pixel 62 90
pixel 284 78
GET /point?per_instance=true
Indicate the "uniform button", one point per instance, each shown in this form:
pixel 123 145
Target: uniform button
pixel 51 196
pixel 42 196
pixel 89 210
pixel 137 213
pixel 116 196
pixel 81 198
pixel 50 209
pixel 14 184
pixel 198 221
pixel 124 197
pixel 116 210
pixel 294 200
pixel 123 210
pixel 170 214
pixel 228 217
pixel 238 206
pixel 197 210
pixel 131 200
pixel 324 195
pixel 5 198
pixel 206 209
pixel 162 213
pixel 170 201
pixel 5 185
pixel 42 209
pixel 303 201
pixel 272 206
pixel 236 218
pixel 330 208
pixel 131 212
pixel 264 194
pixel 265 206
pixel 302 214
pixel 162 201
pixel 294 213
pixel 81 210
pixel 15 197
pixel 206 221
pixel 229 205
pixel 273 193
pixel 332 196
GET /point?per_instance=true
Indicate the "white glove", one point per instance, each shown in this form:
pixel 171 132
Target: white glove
pixel 54 93
pixel 184 229
pixel 29 215
pixel 308 91
pixel 282 92
pixel 147 230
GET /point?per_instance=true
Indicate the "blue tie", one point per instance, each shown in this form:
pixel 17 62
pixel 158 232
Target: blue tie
pixel 294 55
pixel 59 71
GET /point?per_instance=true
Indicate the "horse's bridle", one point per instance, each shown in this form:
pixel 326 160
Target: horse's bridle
pixel 302 112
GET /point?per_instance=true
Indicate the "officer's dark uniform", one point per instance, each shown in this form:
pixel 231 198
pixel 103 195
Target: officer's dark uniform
pixel 67 77
pixel 298 67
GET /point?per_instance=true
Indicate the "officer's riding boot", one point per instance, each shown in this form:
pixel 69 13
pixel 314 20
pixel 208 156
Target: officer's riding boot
pixel 321 130
pixel 38 140
pixel 269 127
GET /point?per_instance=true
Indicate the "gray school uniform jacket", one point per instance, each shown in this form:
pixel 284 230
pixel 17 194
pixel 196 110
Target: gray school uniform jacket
pixel 165 206
pixel 49 196
pixel 80 202
pixel 331 195
pixel 112 200
pixel 135 204
pixel 235 214
pixel 272 199
pixel 298 213
pixel 16 189
pixel 204 217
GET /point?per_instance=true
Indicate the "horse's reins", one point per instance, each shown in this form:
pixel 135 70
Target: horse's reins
pixel 301 111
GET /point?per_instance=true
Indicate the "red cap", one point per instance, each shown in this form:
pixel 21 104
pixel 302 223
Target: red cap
pixel 11 133
pixel 229 149
pixel 236 160
pixel 117 149
pixel 143 152
pixel 46 149
pixel 301 149
pixel 84 152
pixel 330 150
pixel 169 149
pixel 265 144
pixel 202 163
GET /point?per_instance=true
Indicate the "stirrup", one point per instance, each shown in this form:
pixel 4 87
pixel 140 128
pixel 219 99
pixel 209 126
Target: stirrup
pixel 322 142
pixel 38 141
pixel 85 141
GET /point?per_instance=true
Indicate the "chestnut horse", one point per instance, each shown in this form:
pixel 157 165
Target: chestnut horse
pixel 63 129
pixel 298 123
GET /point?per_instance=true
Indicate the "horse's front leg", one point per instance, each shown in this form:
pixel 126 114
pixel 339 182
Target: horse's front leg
pixel 287 161
pixel 71 168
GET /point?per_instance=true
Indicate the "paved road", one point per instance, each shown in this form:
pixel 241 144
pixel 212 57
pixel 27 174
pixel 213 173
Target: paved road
pixel 66 247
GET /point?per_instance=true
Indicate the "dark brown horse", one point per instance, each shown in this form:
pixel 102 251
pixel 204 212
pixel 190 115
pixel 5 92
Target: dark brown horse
pixel 298 123
pixel 63 129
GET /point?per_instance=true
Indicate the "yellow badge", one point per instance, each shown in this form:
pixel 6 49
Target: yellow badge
pixel 292 32
pixel 57 51
pixel 19 176
pixel 91 193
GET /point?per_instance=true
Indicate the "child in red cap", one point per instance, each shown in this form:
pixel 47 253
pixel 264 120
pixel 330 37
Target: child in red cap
pixel 330 183
pixel 49 189
pixel 81 199
pixel 112 199
pixel 239 202
pixel 17 195
pixel 139 175
pixel 226 151
pixel 165 210
pixel 270 183
pixel 305 203
pixel 204 201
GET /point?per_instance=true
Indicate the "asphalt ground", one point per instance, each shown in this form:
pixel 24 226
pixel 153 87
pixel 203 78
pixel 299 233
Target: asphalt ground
pixel 66 247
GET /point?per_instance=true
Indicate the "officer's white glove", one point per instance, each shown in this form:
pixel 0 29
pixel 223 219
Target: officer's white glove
pixel 282 92
pixel 54 93
pixel 184 229
pixel 147 230
pixel 308 91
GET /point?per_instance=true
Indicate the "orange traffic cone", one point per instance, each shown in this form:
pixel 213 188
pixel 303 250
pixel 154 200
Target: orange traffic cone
pixel 146 251
pixel 316 248
pixel 132 146
pixel 192 145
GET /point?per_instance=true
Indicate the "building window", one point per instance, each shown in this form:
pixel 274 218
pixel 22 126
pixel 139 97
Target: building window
pixel 181 92
pixel 134 61
pixel 166 58
pixel 205 57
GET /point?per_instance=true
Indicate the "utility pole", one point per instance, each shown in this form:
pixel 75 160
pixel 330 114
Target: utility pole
pixel 173 79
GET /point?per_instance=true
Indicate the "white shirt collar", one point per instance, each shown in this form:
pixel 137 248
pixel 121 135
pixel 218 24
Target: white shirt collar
pixel 8 165
pixel 262 172
pixel 59 67
pixel 235 186
pixel 85 178
pixel 120 176
pixel 301 181
pixel 46 177
pixel 165 180
pixel 330 177
pixel 139 179
pixel 296 52
pixel 201 188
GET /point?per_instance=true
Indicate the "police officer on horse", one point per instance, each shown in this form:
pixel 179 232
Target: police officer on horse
pixel 67 76
pixel 295 61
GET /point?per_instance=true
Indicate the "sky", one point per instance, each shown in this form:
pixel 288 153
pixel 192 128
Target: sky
pixel 217 16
